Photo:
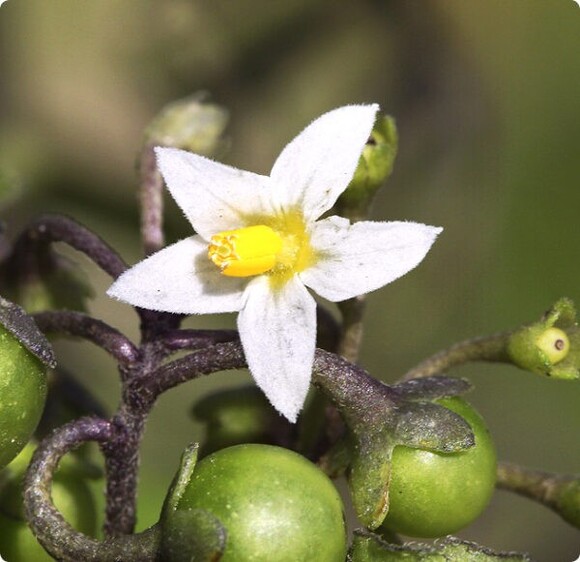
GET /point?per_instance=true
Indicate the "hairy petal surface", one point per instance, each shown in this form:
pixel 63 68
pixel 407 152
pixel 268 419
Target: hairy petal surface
pixel 278 332
pixel 213 196
pixel 180 279
pixel 355 259
pixel 316 167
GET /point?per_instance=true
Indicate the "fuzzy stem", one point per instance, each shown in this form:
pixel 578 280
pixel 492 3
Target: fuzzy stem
pixel 121 453
pixel 84 326
pixel 490 348
pixel 352 311
pixel 151 196
pixel 332 373
pixel 534 484
pixel 57 228
pixel 52 531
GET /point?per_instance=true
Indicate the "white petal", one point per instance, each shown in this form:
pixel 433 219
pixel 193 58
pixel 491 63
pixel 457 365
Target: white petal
pixel 213 196
pixel 316 167
pixel 358 258
pixel 278 333
pixel 181 279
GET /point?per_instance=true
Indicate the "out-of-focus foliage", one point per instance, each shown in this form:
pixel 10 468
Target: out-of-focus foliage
pixel 485 94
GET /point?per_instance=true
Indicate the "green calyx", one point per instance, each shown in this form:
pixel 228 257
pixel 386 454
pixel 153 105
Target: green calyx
pixel 550 347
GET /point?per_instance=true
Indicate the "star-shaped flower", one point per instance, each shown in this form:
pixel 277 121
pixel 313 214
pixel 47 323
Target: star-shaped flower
pixel 259 247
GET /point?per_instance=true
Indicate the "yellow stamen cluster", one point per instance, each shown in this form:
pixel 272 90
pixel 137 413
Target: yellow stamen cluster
pixel 278 249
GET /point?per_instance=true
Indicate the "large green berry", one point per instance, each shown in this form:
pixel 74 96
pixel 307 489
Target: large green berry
pixel 273 503
pixel 435 494
pixel 22 395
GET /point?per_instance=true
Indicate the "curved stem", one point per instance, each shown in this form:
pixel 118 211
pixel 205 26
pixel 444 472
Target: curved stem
pixel 84 326
pixel 56 228
pixel 52 531
pixel 489 348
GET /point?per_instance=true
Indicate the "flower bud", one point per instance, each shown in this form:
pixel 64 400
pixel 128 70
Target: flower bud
pixel 374 168
pixel 550 346
pixel 190 124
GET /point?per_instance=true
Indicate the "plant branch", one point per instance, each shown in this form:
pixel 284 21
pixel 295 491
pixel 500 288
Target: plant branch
pixel 559 492
pixel 534 484
pixel 56 228
pixel 347 379
pixel 490 348
pixel 52 531
pixel 151 197
pixel 84 326
pixel 352 311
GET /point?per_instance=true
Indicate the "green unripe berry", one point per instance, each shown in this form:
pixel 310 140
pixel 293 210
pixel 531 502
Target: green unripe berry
pixel 273 503
pixel 22 395
pixel 436 494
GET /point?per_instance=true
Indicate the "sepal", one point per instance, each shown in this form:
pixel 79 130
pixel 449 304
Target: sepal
pixel 189 535
pixel 368 547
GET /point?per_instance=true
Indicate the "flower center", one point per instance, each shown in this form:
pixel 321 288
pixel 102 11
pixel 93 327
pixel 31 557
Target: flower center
pixel 245 251
pixel 278 249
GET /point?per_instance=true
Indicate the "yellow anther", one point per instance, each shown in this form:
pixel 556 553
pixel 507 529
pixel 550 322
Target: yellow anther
pixel 246 251
pixel 554 343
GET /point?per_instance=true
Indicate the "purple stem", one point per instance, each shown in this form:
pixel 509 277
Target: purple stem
pixel 96 331
pixel 57 228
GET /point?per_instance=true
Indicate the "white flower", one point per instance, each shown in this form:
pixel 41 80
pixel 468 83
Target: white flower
pixel 259 246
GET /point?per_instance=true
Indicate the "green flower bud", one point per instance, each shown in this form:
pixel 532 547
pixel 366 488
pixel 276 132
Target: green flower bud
pixel 190 124
pixel 374 168
pixel 550 346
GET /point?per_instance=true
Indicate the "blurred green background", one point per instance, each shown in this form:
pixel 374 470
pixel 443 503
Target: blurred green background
pixel 486 94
